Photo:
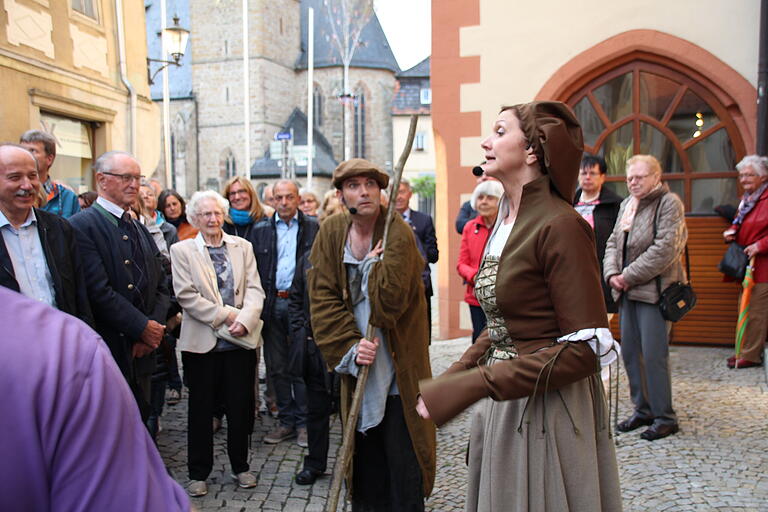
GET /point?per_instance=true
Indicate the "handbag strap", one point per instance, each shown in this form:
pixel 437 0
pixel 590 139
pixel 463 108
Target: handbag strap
pixel 687 260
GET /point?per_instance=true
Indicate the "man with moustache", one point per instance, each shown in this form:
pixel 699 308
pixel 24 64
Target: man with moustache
pixel 350 284
pixel 38 254
pixel 125 280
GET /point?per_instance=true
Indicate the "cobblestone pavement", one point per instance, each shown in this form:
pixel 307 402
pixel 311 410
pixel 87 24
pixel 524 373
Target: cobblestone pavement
pixel 718 461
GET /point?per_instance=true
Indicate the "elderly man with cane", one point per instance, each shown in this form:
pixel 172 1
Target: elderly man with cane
pixel 355 280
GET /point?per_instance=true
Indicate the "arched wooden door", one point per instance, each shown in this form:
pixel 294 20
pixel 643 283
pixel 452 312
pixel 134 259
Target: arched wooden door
pixel 643 106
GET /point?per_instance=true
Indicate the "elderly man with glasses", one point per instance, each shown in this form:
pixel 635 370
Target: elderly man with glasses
pixel 125 280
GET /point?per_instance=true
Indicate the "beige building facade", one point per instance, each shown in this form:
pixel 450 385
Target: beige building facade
pixel 61 72
pixel 673 79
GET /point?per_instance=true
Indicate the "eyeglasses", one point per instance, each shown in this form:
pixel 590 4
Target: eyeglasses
pixel 234 193
pixel 126 178
pixel 743 175
pixel 217 214
pixel 637 177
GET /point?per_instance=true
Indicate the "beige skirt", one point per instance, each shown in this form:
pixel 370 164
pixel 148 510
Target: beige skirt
pixel 560 457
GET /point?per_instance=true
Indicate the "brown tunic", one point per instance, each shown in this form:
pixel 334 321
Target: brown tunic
pixel 557 454
pixel 398 307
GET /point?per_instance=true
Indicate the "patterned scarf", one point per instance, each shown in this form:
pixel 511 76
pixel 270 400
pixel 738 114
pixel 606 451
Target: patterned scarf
pixel 629 212
pixel 748 201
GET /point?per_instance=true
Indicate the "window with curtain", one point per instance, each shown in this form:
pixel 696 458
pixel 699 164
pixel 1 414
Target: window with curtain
pixel 86 7
pixel 647 108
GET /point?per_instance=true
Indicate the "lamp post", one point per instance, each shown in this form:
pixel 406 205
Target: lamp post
pixel 174 43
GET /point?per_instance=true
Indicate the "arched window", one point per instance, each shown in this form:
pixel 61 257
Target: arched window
pixel 358 121
pixel 317 105
pixel 645 107
pixel 227 165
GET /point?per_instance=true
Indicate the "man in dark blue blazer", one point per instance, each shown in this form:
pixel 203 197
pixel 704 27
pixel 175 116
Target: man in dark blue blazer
pixel 38 254
pixel 124 273
pixel 424 229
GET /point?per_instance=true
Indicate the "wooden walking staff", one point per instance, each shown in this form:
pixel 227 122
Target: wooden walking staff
pixel 345 452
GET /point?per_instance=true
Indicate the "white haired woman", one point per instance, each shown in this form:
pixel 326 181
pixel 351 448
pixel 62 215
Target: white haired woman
pixel 216 283
pixel 750 230
pixel 485 200
pixel 642 256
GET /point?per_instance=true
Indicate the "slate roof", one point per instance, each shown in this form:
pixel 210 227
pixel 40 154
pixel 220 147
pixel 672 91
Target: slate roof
pixel 179 78
pixel 420 70
pixel 408 90
pixel 323 163
pixel 374 51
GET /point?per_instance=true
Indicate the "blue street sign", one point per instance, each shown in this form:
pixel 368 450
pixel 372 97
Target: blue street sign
pixel 283 136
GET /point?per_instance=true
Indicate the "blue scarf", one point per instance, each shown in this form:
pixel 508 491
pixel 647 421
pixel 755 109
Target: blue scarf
pixel 240 217
pixel 160 218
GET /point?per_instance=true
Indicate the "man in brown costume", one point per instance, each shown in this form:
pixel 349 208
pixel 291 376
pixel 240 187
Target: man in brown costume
pixel 351 282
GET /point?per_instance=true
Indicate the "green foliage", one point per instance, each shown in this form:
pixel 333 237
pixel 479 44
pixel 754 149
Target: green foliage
pixel 424 186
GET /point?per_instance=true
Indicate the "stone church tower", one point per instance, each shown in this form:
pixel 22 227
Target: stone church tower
pixel 207 121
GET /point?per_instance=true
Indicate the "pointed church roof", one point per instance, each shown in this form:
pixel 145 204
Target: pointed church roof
pixel 323 163
pixel 373 52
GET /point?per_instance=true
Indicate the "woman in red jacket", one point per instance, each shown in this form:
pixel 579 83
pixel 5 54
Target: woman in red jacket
pixel 750 230
pixel 485 200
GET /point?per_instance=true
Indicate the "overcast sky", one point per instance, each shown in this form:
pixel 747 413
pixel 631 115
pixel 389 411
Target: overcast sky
pixel 408 26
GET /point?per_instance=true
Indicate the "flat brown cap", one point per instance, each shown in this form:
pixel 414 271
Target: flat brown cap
pixel 359 167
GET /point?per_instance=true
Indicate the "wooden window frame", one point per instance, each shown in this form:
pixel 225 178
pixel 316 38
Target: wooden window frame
pixel 636 66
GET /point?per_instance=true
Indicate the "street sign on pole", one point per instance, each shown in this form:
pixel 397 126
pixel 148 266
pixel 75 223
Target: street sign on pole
pixel 283 136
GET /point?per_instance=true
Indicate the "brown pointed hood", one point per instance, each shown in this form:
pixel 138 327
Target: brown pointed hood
pixel 555 135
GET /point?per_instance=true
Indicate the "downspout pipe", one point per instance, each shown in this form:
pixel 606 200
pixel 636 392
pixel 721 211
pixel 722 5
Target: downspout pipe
pixel 762 83
pixel 124 74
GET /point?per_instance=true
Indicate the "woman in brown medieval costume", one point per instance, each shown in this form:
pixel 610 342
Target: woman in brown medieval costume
pixel 540 438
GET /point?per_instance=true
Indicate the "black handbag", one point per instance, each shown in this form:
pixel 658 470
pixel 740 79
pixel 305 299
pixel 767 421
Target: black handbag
pixel 734 262
pixel 678 298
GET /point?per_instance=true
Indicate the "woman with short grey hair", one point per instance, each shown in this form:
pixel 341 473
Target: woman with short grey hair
pixel 485 201
pixel 750 230
pixel 216 284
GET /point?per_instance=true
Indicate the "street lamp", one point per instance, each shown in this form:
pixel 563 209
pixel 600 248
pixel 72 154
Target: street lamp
pixel 175 41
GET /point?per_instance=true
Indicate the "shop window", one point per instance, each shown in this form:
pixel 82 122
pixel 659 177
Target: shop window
pixel 74 150
pixel 644 107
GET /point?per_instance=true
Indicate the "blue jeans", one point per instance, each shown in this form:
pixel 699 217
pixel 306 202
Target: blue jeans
pixel 290 392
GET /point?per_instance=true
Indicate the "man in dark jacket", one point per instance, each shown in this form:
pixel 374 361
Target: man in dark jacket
pixel 599 206
pixel 424 229
pixel 38 254
pixel 125 279
pixel 280 243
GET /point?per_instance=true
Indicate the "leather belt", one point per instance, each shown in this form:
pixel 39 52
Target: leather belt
pixel 283 294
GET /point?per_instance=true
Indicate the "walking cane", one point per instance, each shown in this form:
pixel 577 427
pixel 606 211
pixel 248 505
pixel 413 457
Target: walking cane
pixel 345 452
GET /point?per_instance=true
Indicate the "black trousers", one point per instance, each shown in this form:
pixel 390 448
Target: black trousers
pixel 232 372
pixel 386 474
pixel 479 321
pixel 318 382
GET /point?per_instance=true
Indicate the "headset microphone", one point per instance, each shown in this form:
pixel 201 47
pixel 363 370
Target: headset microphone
pixel 477 170
pixel 351 209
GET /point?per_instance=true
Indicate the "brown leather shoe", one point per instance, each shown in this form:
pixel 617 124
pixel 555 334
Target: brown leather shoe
pixel 633 422
pixel 659 431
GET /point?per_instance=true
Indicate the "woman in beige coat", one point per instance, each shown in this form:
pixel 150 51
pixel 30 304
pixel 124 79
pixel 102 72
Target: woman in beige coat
pixel 216 283
pixel 636 256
